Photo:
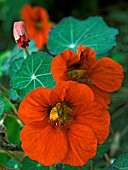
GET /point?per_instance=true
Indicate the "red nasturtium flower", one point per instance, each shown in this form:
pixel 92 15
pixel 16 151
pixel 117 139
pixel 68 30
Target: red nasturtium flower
pixel 37 23
pixel 63 124
pixel 102 76
pixel 20 34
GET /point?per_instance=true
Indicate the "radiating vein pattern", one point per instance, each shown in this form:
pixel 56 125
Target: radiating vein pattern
pixel 34 72
pixel 71 32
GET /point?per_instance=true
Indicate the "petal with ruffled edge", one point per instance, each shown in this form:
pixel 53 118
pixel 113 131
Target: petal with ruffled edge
pixel 35 105
pixel 33 15
pixel 88 57
pixel 30 19
pixel 97 118
pixel 61 63
pixel 41 14
pixel 41 33
pixel 107 75
pixel 101 96
pixel 44 143
pixel 83 145
pixel 28 16
pixel 76 94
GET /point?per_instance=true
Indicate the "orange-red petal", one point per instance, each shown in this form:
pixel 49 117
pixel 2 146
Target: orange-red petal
pixel 33 15
pixel 100 96
pixel 107 75
pixel 44 143
pixel 74 93
pixel 28 15
pixel 82 145
pixel 98 119
pixel 88 57
pixel 61 63
pixel 39 40
pixel 35 105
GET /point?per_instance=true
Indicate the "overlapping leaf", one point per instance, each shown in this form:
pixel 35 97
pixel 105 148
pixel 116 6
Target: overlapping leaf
pixel 13 164
pixel 121 163
pixel 35 72
pixel 71 32
pixel 13 94
pixel 33 165
pixel 17 58
pixel 15 66
pixel 2 106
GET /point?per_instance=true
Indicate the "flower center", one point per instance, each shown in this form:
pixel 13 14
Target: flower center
pixel 60 113
pixel 76 74
pixel 39 25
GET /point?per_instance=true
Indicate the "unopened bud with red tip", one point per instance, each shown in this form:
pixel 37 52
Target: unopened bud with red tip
pixel 20 34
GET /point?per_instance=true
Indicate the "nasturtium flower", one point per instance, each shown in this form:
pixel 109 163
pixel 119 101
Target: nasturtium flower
pixel 102 76
pixel 63 124
pixel 20 34
pixel 37 23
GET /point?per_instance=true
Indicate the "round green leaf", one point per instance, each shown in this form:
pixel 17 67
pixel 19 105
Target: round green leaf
pixel 35 72
pixel 121 163
pixel 32 165
pixel 15 66
pixel 71 32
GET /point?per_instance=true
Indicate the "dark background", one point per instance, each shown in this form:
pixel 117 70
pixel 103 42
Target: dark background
pixel 57 9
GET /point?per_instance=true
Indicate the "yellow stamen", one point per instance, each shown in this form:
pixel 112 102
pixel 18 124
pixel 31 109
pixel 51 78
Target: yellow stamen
pixel 76 74
pixel 39 25
pixel 54 114
pixel 60 113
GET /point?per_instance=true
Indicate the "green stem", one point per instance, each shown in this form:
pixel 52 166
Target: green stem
pixel 4 88
pixel 91 165
pixel 17 119
pixel 11 155
pixel 12 105
pixel 26 51
pixel 107 158
pixel 4 117
pixel 79 168
pixel 2 165
pixel 14 110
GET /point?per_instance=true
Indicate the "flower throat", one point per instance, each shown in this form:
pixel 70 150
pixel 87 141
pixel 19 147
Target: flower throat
pixel 60 113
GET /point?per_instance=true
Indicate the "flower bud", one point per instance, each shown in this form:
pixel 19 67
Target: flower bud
pixel 20 34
